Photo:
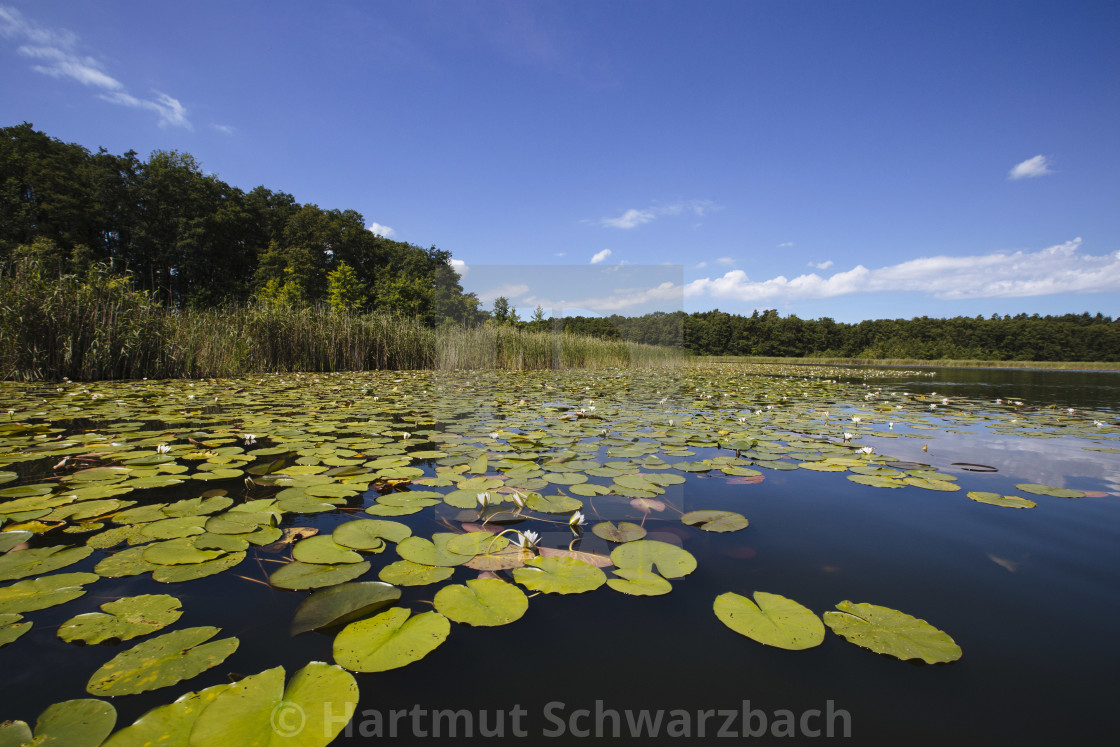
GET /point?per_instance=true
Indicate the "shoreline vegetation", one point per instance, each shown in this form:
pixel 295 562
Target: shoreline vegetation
pixel 1092 366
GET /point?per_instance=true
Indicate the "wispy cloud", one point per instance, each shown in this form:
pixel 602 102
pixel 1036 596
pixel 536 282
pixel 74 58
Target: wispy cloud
pixel 821 265
pixel 1030 168
pixel 224 129
pixel 600 256
pixel 634 217
pixel 381 230
pixel 55 53
pixel 784 244
pixel 1057 269
pixel 511 291
pixel 726 260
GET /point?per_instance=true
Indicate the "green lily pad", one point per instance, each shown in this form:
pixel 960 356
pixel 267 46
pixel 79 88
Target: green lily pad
pixel 323 549
pixel 123 619
pixel 44 592
pixel 341 604
pixel 171 574
pixel 370 534
pixel 1037 489
pixel 181 551
pixel 624 531
pixel 11 628
pixel 876 481
pixel 392 639
pixel 890 632
pixel 35 561
pixel 639 583
pixel 482 602
pixel 169 724
pixel 129 562
pixel 995 499
pixel 716 521
pixel 161 661
pixel 476 543
pixel 258 710
pixel 559 575
pixel 645 555
pixel 931 484
pixel 426 552
pixel 407 573
pixel 297 575
pixel 85 722
pixel 770 619
pixel 553 504
pixel 15 538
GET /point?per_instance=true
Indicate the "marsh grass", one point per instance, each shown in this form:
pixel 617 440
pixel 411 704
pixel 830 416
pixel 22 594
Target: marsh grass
pixel 98 328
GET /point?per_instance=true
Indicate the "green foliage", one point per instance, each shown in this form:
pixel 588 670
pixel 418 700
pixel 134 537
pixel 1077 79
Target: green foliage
pixel 344 292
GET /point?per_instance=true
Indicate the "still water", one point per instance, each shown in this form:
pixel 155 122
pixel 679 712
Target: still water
pixel 1031 596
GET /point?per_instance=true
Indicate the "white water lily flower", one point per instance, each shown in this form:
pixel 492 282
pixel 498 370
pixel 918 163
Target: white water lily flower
pixel 406 435
pixel 847 436
pixel 494 435
pixel 577 520
pixel 867 450
pixel 1099 423
pixel 857 420
pixel 519 499
pixel 527 540
pixel 163 449
pixel 483 500
pixel 250 438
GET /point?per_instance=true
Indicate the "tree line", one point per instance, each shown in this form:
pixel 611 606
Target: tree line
pixel 1069 337
pixel 192 240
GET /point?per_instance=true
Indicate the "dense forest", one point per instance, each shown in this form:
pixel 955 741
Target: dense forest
pixel 190 239
pixel 186 240
pixel 1071 337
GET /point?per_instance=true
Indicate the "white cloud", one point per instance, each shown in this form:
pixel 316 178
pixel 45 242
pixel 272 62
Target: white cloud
pixel 821 265
pixel 510 291
pixel 170 111
pixel 459 266
pixel 784 244
pixel 726 260
pixel 560 254
pixel 600 256
pixel 224 129
pixel 700 265
pixel 1057 269
pixel 1032 167
pixel 55 51
pixel 633 217
pixel 381 230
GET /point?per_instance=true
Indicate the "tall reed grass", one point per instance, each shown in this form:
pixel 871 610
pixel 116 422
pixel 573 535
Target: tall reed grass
pixel 96 327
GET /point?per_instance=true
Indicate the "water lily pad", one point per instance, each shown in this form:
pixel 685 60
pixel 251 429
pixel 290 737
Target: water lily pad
pixel 770 619
pixel 370 534
pixel 123 619
pixel 624 531
pixel 392 639
pixel 169 724
pixel 931 484
pixel 85 722
pixel 476 543
pixel 482 602
pixel 890 632
pixel 407 573
pixel 553 504
pixel 44 592
pixel 11 628
pixel 645 555
pixel 323 549
pixel 1037 489
pixel 559 575
pixel 180 551
pixel 161 661
pixel 171 574
pixel 995 499
pixel 10 539
pixel 258 710
pixel 297 575
pixel 129 562
pixel 876 481
pixel 36 561
pixel 426 552
pixel 639 583
pixel 341 604
pixel 716 521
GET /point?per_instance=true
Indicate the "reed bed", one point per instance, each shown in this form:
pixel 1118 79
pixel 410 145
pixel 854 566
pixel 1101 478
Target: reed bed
pixel 921 363
pixel 98 328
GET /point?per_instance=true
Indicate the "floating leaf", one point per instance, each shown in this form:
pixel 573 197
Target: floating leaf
pixel 1037 489
pixel 36 561
pixel 559 575
pixel 476 543
pixel 11 628
pixel 645 505
pixel 623 532
pixel 41 593
pixel 930 484
pixel 426 552
pixel 1007 501
pixel 323 549
pixel 85 722
pixel 171 574
pixel 123 619
pixel 639 583
pixel 258 710
pixel 770 619
pixel 644 555
pixel 370 534
pixel 716 521
pixel 890 632
pixel 180 551
pixel 10 539
pixel 877 482
pixel 338 605
pixel 599 561
pixel 390 640
pixel 510 556
pixel 297 575
pixel 553 504
pixel 167 724
pixel 161 661
pixel 482 602
pixel 407 573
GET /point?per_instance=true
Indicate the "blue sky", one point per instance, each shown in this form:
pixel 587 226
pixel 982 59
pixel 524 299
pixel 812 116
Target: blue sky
pixel 845 159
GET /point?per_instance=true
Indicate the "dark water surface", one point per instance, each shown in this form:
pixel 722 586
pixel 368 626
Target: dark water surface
pixel 1031 596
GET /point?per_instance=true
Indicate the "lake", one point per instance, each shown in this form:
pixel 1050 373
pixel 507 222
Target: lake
pixel 1030 595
